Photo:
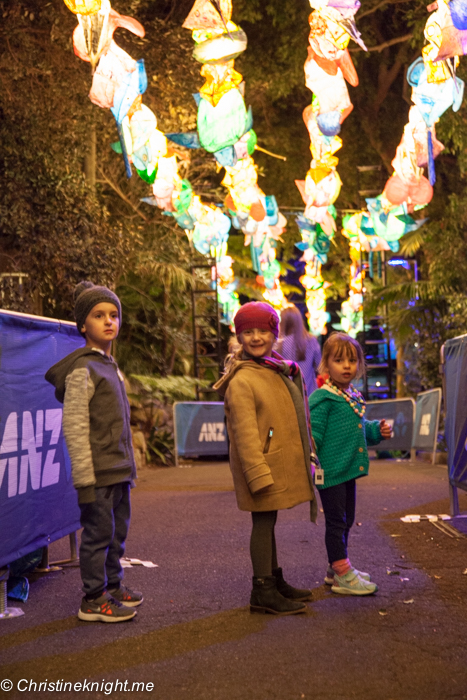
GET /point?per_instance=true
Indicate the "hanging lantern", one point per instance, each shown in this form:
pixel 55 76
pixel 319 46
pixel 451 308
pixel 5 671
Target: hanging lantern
pixel 83 7
pixel 94 28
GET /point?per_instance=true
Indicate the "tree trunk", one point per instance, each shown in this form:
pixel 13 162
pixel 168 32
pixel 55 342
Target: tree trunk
pixel 90 159
pixel 400 374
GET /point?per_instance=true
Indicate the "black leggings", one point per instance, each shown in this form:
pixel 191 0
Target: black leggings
pixel 263 543
pixel 339 513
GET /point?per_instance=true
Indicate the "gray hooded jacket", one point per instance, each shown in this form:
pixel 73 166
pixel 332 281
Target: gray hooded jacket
pixel 96 420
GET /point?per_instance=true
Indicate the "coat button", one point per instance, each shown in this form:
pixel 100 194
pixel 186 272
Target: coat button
pixel 360 425
pixel 362 469
pixel 360 449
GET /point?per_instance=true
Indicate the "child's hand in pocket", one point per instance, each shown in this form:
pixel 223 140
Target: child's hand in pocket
pixel 386 430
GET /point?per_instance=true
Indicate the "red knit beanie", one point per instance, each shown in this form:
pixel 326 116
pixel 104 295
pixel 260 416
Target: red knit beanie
pixel 256 314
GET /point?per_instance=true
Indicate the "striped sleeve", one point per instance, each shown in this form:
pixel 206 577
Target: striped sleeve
pixel 79 390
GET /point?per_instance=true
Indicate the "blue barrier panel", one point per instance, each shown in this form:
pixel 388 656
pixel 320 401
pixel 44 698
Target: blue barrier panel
pixel 200 429
pixel 425 434
pixel 455 372
pixel 399 413
pixel 38 503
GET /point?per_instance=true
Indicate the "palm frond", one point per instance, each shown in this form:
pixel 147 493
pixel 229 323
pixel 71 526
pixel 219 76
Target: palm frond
pixel 171 275
pixel 422 291
pixel 412 242
pixel 290 289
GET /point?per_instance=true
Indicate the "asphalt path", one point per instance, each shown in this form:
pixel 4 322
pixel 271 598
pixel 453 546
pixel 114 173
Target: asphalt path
pixel 194 637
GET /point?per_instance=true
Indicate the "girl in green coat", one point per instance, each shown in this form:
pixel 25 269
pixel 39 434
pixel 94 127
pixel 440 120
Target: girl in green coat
pixel 341 435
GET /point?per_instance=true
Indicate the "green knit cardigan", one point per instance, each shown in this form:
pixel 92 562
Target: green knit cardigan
pixel 341 437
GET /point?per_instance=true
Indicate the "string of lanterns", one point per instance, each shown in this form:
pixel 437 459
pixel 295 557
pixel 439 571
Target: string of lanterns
pixel 225 129
pixel 327 70
pixel 435 88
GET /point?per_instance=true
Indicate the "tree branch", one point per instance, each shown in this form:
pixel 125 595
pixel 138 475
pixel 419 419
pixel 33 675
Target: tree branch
pixel 379 6
pixel 386 44
pixel 117 189
pixel 386 79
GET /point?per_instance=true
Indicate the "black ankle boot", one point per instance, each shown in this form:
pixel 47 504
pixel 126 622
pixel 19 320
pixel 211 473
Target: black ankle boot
pixel 289 591
pixel 265 598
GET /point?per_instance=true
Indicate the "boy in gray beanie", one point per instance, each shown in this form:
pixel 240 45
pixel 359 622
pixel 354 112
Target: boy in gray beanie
pixel 96 426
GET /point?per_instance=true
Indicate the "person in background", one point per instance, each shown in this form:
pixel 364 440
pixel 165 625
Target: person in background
pixel 298 345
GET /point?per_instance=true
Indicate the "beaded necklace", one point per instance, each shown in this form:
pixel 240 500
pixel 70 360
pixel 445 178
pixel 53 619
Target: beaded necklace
pixel 353 400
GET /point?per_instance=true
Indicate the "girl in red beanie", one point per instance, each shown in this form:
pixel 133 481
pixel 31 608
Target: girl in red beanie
pixel 270 454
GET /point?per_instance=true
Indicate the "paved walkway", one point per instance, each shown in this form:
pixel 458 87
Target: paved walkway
pixel 194 637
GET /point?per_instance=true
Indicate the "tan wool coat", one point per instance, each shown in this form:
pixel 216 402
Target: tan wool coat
pixel 257 400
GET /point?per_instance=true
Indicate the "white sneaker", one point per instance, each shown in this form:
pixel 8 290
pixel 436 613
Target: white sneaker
pixel 352 584
pixel 329 578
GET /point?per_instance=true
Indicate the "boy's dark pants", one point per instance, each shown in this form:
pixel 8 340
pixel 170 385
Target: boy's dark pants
pixel 105 523
pixel 339 512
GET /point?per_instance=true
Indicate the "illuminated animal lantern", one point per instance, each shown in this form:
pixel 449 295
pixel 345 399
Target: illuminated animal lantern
pixel 225 273
pixel 144 143
pixel 322 183
pixel 415 138
pixel 241 181
pixel 315 241
pixel 458 10
pixel 167 182
pixel 331 94
pixel 445 40
pixel 275 296
pixel 217 39
pixel 329 64
pixel 339 15
pixel 433 99
pixel 315 301
pixel 93 38
pixel 392 225
pixel 359 230
pixel 222 125
pixel 263 243
pixel 418 149
pixel 220 78
pixel 222 116
pixel 228 299
pixel 351 314
pixel 347 8
pixel 418 193
pixel 118 80
pixel 320 145
pixel 320 190
pixel 326 39
pixel 211 228
pixel 83 7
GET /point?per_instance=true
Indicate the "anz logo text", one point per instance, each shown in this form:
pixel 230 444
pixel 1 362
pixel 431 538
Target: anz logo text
pixel 212 432
pixel 27 456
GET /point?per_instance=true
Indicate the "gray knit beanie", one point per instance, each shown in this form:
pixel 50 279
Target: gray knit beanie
pixel 87 295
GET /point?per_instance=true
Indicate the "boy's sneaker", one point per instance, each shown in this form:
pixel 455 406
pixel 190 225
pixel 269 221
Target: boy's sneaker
pixel 352 584
pixel 104 609
pixel 126 596
pixel 329 578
